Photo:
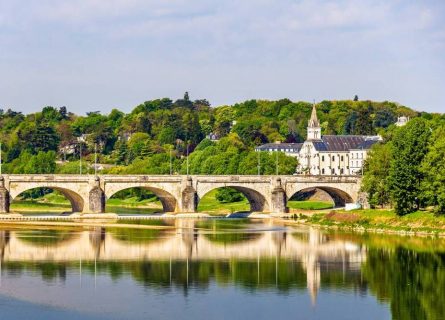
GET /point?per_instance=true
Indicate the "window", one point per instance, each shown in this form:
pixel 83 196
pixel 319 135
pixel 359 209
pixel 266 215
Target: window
pixel 333 171
pixel 341 171
pixel 333 158
pixel 342 158
pixel 322 158
pixel 322 171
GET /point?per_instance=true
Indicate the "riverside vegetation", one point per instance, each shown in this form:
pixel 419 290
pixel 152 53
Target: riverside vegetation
pixel 406 171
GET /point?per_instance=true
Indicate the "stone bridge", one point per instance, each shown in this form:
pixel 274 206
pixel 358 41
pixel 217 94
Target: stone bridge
pixel 88 194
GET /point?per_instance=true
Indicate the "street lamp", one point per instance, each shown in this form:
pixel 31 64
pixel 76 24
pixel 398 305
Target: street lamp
pixel 187 159
pixel 276 165
pixel 95 159
pixel 171 164
pixel 0 158
pixel 259 163
pixel 80 157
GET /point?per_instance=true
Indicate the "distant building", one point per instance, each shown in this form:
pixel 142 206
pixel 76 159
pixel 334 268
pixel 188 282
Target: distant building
pixel 401 121
pixel 326 155
pixel 213 137
pixel 290 149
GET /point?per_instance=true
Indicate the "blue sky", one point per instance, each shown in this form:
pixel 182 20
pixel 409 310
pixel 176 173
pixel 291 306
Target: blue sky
pixel 104 54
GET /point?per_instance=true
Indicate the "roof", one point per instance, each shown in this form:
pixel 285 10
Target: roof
pixel 280 146
pixel 344 143
pixel 367 144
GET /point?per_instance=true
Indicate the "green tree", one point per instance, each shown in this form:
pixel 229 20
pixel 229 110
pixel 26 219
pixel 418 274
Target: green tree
pixel 376 173
pixel 410 145
pixel 433 169
pixel 227 195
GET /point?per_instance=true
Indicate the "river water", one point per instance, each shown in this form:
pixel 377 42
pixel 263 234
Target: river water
pixel 217 269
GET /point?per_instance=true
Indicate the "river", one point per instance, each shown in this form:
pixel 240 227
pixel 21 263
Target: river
pixel 217 269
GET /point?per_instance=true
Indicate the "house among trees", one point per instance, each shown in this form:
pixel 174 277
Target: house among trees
pixel 401 121
pixel 327 154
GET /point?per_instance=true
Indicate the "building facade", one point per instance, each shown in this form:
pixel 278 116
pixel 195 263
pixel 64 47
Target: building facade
pixel 328 154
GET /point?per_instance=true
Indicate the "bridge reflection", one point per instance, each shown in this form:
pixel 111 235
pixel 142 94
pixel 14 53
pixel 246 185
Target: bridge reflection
pixel 191 252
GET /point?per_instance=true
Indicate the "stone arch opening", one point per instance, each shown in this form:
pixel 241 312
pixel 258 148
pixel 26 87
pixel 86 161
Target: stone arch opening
pixel 74 199
pixel 163 202
pixel 338 197
pixel 256 201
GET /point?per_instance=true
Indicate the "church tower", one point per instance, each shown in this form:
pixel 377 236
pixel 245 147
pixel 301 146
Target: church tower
pixel 313 127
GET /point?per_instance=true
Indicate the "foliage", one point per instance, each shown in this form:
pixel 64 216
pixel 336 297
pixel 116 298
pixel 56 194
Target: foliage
pixel 375 181
pixel 410 145
pixel 227 195
pixel 42 162
pixel 433 169
pixel 141 141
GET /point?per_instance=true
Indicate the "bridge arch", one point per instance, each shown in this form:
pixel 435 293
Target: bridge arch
pixel 76 200
pixel 258 202
pixel 168 200
pixel 339 197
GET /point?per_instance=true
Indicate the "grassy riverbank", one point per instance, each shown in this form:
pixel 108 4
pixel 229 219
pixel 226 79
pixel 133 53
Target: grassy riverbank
pixel 378 220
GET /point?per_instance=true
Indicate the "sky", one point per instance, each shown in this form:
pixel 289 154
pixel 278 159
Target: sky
pixel 96 55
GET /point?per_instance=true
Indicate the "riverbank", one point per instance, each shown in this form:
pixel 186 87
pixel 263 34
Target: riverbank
pixel 375 220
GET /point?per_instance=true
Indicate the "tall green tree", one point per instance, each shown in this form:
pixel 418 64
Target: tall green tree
pixel 410 145
pixel 376 175
pixel 433 169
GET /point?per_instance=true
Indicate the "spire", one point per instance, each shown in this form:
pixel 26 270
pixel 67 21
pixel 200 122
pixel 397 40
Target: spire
pixel 313 126
pixel 313 122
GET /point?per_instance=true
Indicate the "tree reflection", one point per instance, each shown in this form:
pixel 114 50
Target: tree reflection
pixel 413 282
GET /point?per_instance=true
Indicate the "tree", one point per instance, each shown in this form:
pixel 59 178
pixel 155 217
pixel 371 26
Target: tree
pixel 384 118
pixel 356 98
pixel 410 145
pixel 63 113
pixel 376 172
pixel 433 168
pixel 227 195
pixel 167 136
pixel 363 124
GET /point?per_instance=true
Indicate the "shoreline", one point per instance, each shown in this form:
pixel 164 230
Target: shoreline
pixel 362 221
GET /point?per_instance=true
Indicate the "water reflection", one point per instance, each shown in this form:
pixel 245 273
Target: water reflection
pixel 255 257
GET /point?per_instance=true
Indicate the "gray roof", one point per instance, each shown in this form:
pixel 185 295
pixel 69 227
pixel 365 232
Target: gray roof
pixel 343 143
pixel 280 146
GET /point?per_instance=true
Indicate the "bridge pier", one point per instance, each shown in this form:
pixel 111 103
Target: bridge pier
pixel 189 197
pixel 4 197
pixel 278 199
pixel 96 198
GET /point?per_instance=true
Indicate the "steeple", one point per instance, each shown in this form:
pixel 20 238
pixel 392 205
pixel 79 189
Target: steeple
pixel 313 122
pixel 313 126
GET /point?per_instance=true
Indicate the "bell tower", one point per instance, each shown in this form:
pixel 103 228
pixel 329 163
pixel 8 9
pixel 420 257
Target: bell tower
pixel 313 127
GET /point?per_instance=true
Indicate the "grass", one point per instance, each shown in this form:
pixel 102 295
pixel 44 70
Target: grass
pixel 50 203
pixel 376 219
pixel 134 202
pixel 310 205
pixel 209 204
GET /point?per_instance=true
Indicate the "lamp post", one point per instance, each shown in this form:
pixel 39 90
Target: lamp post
pixel 259 163
pixel 276 164
pixel 95 159
pixel 80 157
pixel 0 158
pixel 171 164
pixel 187 159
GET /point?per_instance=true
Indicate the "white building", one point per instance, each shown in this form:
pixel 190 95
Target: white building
pixel 401 121
pixel 326 155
